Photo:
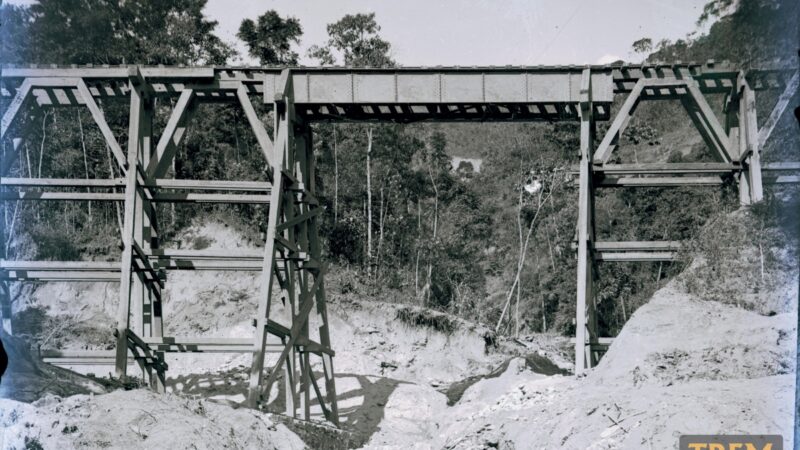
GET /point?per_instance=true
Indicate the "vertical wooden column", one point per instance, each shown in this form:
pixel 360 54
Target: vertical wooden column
pixel 585 319
pixel 10 118
pixel 133 211
pixel 301 144
pixel 749 121
pixel 275 157
pixel 292 286
pixel 734 130
pixel 5 287
pixel 315 250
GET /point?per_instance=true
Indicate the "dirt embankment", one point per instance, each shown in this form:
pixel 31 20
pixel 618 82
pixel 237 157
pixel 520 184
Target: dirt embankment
pixel 682 365
pixel 138 419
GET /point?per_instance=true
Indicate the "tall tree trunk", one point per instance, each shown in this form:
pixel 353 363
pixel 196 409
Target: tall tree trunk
pixel 381 219
pixel 335 179
pixel 41 152
pixel 427 288
pixel 419 240
pixel 521 262
pixel 113 189
pixel 28 159
pixel 85 161
pixel 369 204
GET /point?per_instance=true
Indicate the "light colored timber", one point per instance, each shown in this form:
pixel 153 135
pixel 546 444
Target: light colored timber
pixel 171 137
pixel 782 179
pixel 204 345
pixel 160 197
pixel 212 185
pixel 191 197
pixel 600 340
pixel 63 182
pixel 777 111
pixel 62 196
pixel 659 181
pixel 780 166
pixel 60 275
pixel 666 168
pixel 632 256
pixel 610 246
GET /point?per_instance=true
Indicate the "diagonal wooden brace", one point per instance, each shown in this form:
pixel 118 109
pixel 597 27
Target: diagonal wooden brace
pixel 306 303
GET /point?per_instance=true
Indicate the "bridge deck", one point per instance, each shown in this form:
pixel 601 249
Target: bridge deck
pixel 403 94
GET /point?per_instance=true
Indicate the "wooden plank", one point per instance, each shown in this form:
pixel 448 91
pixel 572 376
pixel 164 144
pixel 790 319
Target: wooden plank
pixel 779 108
pixel 125 291
pixel 631 256
pixel 100 120
pixel 610 246
pixel 607 145
pixel 212 185
pixel 268 267
pixel 306 303
pixel 606 341
pixel 62 196
pixel 666 168
pixel 62 182
pixel 221 254
pixel 205 264
pixel 298 219
pixel 659 181
pixel 64 275
pixel 782 179
pixel 585 277
pixel 191 197
pixel 11 114
pixel 255 124
pixel 60 265
pixel 171 137
pixel 781 165
pixel 753 148
pixel 204 345
pixel 315 248
pixel 719 139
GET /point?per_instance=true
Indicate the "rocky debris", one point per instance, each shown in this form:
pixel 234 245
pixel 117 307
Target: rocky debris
pixel 139 419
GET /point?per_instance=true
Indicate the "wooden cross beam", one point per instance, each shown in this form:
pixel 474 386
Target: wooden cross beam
pixel 172 136
pixel 298 322
pixel 777 111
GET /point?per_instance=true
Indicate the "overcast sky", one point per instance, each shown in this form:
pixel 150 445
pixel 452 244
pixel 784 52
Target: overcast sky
pixel 484 32
pixel 481 32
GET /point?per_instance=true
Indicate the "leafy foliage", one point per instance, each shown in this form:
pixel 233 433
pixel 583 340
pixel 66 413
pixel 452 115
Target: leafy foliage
pixel 270 39
pixel 356 38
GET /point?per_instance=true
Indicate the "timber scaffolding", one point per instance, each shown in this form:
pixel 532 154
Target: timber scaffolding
pixel 292 249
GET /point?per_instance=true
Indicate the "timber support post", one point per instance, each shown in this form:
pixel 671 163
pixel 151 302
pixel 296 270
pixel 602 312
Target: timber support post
pixel 586 318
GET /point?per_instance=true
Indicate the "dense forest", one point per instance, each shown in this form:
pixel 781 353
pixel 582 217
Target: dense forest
pixel 402 224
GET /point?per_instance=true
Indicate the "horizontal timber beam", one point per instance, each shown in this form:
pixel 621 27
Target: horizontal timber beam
pixel 666 168
pixel 781 166
pixel 658 181
pixel 160 197
pixel 205 345
pixel 634 256
pixel 282 332
pixel 610 246
pixel 782 179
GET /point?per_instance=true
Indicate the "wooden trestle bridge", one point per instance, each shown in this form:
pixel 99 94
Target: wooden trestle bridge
pixel 292 250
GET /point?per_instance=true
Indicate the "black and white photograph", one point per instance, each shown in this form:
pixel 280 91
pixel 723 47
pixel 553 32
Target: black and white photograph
pixel 392 225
